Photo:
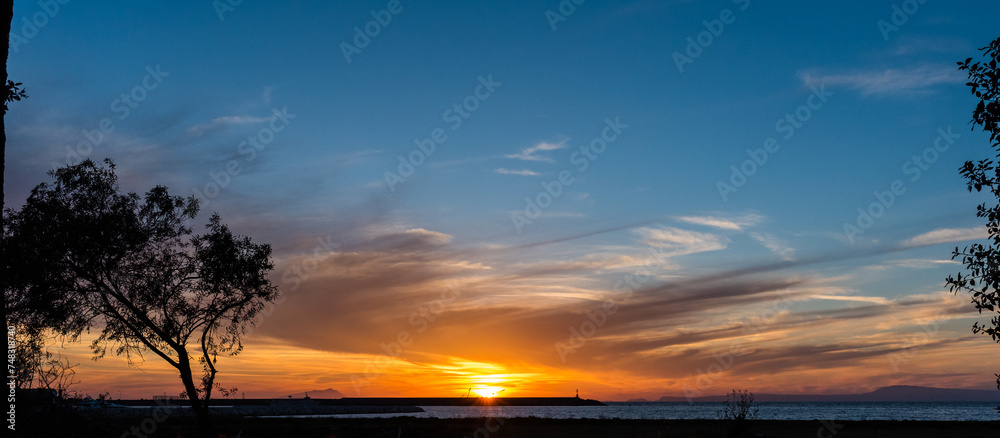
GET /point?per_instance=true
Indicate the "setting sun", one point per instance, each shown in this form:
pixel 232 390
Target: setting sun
pixel 489 385
pixel 487 391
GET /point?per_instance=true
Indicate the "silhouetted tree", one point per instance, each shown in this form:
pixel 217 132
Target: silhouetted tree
pixel 36 366
pixel 29 344
pixel 83 255
pixel 982 262
pixel 12 91
pixel 6 16
pixel 738 411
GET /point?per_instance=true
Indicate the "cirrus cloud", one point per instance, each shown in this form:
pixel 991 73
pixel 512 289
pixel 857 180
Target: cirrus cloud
pixel 531 153
pixel 521 172
pixel 736 223
pixel 889 81
pixel 947 235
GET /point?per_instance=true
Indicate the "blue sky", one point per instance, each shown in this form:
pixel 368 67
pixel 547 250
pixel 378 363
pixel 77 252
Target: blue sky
pixel 534 91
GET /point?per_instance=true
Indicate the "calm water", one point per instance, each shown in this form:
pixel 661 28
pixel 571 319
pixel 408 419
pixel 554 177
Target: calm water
pixel 768 410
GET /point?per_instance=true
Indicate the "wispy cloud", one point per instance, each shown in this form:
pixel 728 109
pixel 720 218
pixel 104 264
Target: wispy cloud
pixel 854 298
pixel 680 241
pixel 226 120
pixel 947 235
pixel 889 81
pixel 726 223
pixel 521 172
pixel 910 45
pixel 531 153
pixel 774 244
pixel 398 237
pixel 915 263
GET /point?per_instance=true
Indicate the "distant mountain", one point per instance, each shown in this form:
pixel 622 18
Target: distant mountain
pixel 890 393
pixel 321 393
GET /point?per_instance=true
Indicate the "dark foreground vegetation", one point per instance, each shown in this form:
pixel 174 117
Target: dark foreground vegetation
pixel 231 426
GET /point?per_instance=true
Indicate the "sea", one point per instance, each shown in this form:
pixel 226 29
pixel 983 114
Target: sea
pixel 847 411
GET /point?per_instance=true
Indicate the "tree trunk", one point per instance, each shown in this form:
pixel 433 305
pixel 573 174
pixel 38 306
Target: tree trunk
pixel 199 406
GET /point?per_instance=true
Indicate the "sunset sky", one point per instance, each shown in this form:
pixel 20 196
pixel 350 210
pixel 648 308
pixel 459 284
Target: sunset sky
pixel 632 199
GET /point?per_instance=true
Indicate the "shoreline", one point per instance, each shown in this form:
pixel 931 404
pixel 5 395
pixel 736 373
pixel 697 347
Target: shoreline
pixel 141 411
pixel 382 401
pixel 543 427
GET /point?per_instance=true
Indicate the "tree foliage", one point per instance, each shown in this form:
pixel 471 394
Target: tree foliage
pixel 82 255
pixel 36 366
pixel 14 93
pixel 738 411
pixel 982 261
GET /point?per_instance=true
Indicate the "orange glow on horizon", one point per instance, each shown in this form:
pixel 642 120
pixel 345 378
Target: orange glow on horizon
pixel 488 391
pixel 489 385
pixel 271 368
